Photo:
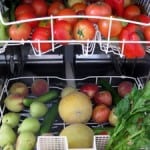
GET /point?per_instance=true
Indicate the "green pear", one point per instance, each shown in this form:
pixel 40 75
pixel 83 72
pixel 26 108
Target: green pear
pixel 26 141
pixel 38 109
pixel 11 118
pixel 7 135
pixel 29 124
pixel 14 102
pixel 9 147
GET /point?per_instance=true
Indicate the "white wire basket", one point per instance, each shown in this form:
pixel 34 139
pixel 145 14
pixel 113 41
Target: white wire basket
pixel 56 142
pixel 88 47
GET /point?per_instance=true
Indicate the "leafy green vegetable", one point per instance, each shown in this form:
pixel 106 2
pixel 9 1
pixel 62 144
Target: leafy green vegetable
pixel 132 131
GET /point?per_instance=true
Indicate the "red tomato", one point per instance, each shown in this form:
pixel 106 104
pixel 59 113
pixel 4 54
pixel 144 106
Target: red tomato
pixel 26 1
pixel 147 33
pixel 98 9
pixel 100 113
pixel 40 7
pixel 55 7
pixel 28 16
pixel 62 30
pixel 23 9
pixel 89 89
pixel 67 12
pixel 79 8
pixel 104 25
pixel 19 31
pixel 131 11
pixel 83 30
pixel 41 33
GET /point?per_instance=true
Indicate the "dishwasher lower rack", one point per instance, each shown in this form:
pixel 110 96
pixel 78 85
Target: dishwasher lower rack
pixel 57 142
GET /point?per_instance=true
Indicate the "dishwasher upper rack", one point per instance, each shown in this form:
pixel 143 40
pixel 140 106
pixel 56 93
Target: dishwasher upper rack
pixel 57 142
pixel 87 47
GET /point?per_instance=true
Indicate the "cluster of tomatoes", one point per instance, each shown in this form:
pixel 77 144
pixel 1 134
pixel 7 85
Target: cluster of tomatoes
pixel 103 100
pixel 75 28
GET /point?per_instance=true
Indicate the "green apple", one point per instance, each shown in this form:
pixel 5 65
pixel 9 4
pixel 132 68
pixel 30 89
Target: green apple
pixel 11 118
pixel 7 135
pixel 38 109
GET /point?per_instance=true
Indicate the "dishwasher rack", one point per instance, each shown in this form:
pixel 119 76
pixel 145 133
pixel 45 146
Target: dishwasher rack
pixel 106 45
pixel 57 142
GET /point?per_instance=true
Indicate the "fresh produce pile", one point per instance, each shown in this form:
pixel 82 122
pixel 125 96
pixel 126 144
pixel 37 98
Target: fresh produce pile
pixel 83 27
pixel 91 109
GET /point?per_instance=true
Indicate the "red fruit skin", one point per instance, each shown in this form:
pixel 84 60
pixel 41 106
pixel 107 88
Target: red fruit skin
pixel 39 87
pixel 19 31
pixel 89 89
pixel 124 88
pixel 98 9
pixel 100 113
pixel 103 97
pixel 40 7
pixel 62 30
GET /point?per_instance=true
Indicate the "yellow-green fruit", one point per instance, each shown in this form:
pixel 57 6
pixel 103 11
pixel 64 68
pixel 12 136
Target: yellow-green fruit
pixel 11 118
pixel 72 2
pixel 67 90
pixel 7 135
pixel 76 107
pixel 26 141
pixel 78 135
pixel 38 109
pixel 14 102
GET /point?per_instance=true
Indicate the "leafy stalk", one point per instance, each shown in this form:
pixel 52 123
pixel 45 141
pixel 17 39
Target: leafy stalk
pixel 133 113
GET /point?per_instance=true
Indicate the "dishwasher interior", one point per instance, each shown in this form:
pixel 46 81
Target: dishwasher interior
pixel 70 65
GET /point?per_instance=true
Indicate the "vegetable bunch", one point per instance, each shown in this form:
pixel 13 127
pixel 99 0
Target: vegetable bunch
pixel 132 131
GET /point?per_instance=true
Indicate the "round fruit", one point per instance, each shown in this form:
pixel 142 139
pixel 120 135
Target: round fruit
pixel 112 118
pixel 100 113
pixel 12 119
pixel 19 31
pixel 38 109
pixel 79 8
pixel 76 107
pixel 131 11
pixel 67 12
pixel 103 97
pixel 67 90
pixel 19 88
pixel 124 88
pixel 55 7
pixel 39 87
pixel 83 30
pixel 98 9
pixel 115 28
pixel 78 135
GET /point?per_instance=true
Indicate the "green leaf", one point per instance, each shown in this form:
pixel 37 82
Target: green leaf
pixel 122 108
